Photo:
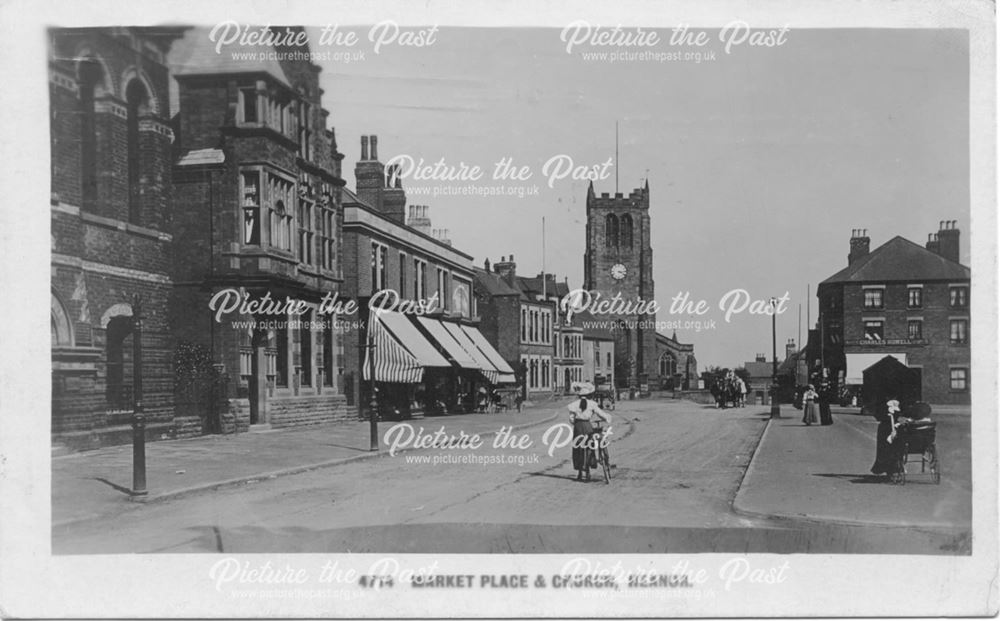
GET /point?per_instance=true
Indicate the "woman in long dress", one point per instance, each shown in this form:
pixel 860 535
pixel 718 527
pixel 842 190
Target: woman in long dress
pixel 886 453
pixel 809 410
pixel 581 414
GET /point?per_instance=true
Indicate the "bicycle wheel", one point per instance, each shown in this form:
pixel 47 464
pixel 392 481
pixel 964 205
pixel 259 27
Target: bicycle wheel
pixel 606 462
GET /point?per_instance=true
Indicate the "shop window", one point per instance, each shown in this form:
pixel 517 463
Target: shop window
pixel 874 330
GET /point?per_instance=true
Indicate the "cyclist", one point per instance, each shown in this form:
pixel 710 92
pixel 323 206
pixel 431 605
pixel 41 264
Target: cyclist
pixel 583 412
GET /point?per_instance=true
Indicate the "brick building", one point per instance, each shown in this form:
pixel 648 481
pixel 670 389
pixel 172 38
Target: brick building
pixel 619 261
pixel 903 300
pixel 257 211
pixel 111 230
pixel 389 245
pixel 520 322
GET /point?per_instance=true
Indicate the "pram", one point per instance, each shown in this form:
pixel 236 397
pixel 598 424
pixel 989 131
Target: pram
pixel 917 437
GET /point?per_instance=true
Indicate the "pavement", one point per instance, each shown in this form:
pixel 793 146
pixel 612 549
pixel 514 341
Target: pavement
pixel 822 473
pixel 93 484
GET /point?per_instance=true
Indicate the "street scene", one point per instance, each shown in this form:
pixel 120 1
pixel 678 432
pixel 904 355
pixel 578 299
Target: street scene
pixel 441 300
pixel 680 483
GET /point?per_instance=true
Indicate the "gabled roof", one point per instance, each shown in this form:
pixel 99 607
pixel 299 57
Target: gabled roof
pixel 900 259
pixel 195 55
pixel 492 283
pixel 758 369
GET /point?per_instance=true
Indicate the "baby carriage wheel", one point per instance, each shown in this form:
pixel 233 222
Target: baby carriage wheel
pixel 933 463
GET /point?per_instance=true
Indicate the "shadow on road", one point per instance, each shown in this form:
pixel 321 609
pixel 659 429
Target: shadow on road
pixel 855 478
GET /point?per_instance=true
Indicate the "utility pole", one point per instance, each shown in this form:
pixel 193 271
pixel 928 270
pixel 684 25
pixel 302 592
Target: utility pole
pixel 775 406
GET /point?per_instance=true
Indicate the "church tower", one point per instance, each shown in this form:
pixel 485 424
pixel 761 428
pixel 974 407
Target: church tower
pixel 619 261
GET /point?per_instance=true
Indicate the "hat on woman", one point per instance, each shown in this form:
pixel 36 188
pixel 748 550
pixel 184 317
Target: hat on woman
pixel 582 388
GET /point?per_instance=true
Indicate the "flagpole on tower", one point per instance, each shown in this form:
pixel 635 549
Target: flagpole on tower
pixel 616 157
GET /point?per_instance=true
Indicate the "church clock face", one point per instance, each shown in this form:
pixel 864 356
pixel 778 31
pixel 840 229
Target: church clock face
pixel 618 271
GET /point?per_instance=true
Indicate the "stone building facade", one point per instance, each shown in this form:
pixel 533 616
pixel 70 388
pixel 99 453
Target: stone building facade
pixel 619 262
pixel 257 210
pixel 112 230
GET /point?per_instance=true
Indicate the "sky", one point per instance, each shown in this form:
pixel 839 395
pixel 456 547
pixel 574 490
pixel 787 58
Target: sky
pixel 760 162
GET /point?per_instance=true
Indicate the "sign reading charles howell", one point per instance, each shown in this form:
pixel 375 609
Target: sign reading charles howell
pixel 590 313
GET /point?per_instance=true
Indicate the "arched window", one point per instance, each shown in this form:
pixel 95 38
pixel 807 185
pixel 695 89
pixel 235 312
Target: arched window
pixel 611 230
pixel 668 365
pixel 62 329
pixel 626 231
pixel 137 100
pixel 91 77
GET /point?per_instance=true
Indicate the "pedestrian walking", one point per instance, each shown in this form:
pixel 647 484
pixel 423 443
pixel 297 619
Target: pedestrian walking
pixel 743 391
pixel 825 397
pixel 809 398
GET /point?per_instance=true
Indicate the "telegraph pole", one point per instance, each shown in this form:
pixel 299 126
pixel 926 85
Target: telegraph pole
pixel 775 406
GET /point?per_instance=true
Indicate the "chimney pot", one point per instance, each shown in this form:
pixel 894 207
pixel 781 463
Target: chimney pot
pixel 364 147
pixel 374 141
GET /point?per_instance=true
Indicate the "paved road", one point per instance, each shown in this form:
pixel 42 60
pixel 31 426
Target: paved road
pixel 679 466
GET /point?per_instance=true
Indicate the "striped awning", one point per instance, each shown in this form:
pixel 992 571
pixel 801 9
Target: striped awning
pixel 482 362
pixel 455 350
pixel 506 372
pixel 399 353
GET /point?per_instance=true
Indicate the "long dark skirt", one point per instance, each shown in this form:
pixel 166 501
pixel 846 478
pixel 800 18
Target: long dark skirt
pixel 581 428
pixel 886 455
pixel 825 417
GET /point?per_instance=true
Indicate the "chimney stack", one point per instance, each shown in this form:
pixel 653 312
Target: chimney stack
pixel 947 237
pixel 418 219
pixel 790 348
pixel 860 243
pixel 507 269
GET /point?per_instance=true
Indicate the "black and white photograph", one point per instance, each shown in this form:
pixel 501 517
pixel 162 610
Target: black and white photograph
pixel 388 310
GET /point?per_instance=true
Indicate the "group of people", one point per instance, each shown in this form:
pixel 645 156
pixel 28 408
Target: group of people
pixel 729 389
pixel 814 403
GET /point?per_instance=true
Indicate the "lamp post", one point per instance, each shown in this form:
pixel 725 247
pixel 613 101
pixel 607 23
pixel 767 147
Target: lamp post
pixel 775 406
pixel 138 416
pixel 373 403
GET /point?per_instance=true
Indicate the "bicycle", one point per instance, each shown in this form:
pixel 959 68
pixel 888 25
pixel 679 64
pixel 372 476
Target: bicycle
pixel 603 458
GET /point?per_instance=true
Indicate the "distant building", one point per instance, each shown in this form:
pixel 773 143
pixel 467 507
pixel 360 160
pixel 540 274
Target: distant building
pixel 677 366
pixel 521 323
pixel 598 351
pixel 905 301
pixel 760 371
